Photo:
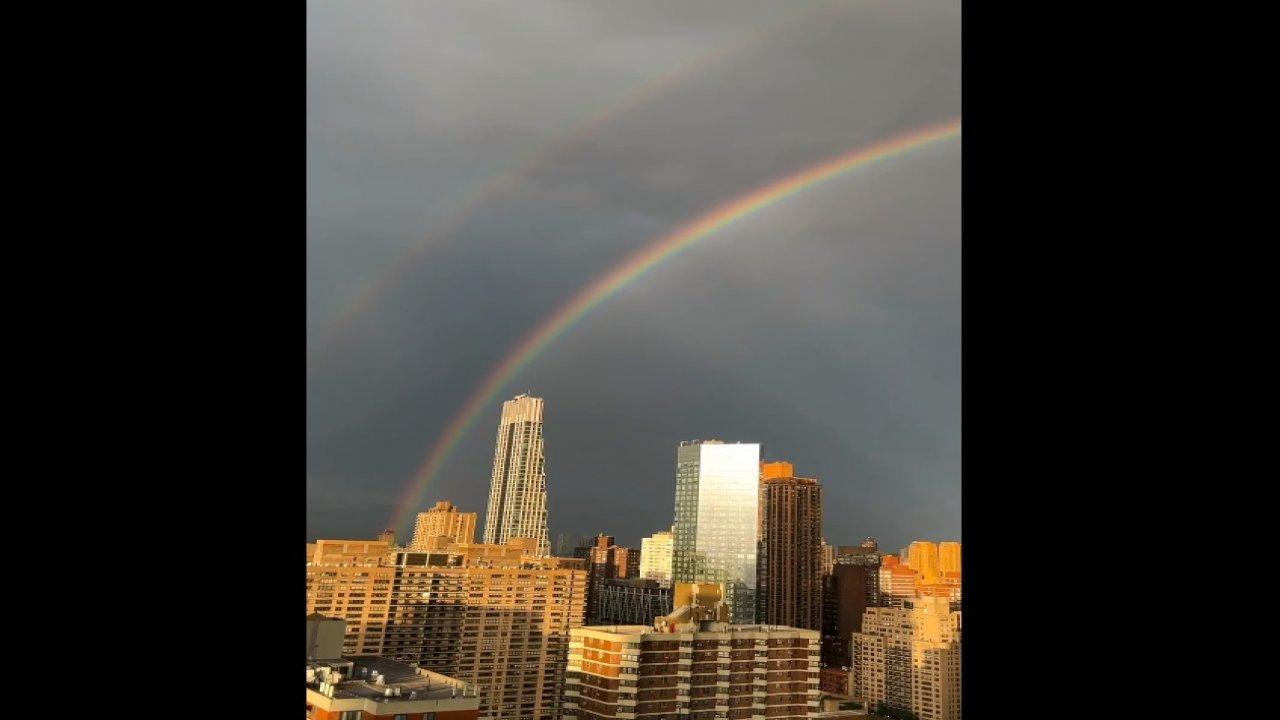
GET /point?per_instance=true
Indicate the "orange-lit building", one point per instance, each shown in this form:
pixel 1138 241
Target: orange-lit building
pixel 492 616
pixel 949 557
pixel 923 558
pixel 909 658
pixel 441 525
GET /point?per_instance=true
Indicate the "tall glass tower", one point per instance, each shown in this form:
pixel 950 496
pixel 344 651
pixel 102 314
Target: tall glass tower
pixel 717 497
pixel 518 488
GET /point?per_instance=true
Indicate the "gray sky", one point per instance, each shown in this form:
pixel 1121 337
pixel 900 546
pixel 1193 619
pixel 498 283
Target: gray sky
pixel 826 327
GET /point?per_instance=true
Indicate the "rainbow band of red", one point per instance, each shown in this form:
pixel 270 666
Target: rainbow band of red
pixel 631 269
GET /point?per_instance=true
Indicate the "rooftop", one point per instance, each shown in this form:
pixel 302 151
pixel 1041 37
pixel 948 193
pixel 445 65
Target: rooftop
pixel 360 673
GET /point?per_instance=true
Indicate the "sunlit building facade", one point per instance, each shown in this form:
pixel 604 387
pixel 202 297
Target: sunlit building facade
pixel 909 658
pixel 493 616
pixel 949 557
pixel 655 557
pixel 922 556
pixel 716 517
pixel 441 525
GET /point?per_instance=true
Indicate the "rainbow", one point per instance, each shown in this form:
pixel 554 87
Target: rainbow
pixel 498 186
pixel 632 268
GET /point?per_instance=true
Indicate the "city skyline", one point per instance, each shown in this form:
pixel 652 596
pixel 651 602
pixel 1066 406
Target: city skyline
pixel 825 325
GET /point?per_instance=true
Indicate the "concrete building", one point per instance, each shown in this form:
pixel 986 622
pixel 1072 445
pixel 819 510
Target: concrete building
pixel 909 658
pixel 897 582
pixel 365 687
pixel 655 557
pixel 692 665
pixel 441 525
pixel 633 601
pixel 847 593
pixel 716 514
pixel 495 617
pixel 789 560
pixel 607 561
pixel 518 486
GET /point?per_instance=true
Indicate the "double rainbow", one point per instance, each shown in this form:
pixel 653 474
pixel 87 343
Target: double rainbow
pixel 631 269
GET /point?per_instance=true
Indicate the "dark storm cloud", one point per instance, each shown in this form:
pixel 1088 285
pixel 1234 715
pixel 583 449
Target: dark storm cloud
pixel 826 327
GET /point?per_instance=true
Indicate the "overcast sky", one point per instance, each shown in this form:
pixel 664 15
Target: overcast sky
pixel 826 327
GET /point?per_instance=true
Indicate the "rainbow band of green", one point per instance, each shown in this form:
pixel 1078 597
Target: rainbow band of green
pixel 629 270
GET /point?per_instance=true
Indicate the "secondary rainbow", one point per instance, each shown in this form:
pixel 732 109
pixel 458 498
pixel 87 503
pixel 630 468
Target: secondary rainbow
pixel 500 185
pixel 633 267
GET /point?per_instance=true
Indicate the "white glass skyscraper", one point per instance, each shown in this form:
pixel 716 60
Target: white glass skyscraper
pixel 518 488
pixel 717 497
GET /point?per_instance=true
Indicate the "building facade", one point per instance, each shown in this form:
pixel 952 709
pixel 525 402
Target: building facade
pixel 655 557
pixel 634 601
pixel 949 557
pixel 518 486
pixel 607 561
pixel 495 617
pixel 716 517
pixel 441 525
pixel 789 559
pixel 687 667
pixel 909 658
pixel 923 558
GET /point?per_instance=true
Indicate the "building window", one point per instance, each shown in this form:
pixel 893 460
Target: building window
pixel 349 715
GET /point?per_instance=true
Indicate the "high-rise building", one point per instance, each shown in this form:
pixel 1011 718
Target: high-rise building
pixel 909 658
pixel 607 561
pixel 655 557
pixel 846 594
pixel 441 525
pixel 949 557
pixel 495 617
pixel 922 556
pixel 691 665
pixel 789 570
pixel 828 557
pixel 518 487
pixel 716 514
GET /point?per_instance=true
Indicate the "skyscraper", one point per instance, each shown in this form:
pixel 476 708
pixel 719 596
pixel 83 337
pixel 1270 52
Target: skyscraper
pixel 655 557
pixel 717 502
pixel 789 580
pixel 518 488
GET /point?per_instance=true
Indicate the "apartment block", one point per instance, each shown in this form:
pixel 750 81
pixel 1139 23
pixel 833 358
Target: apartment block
pixel 441 525
pixel 494 616
pixel 693 665
pixel 909 658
